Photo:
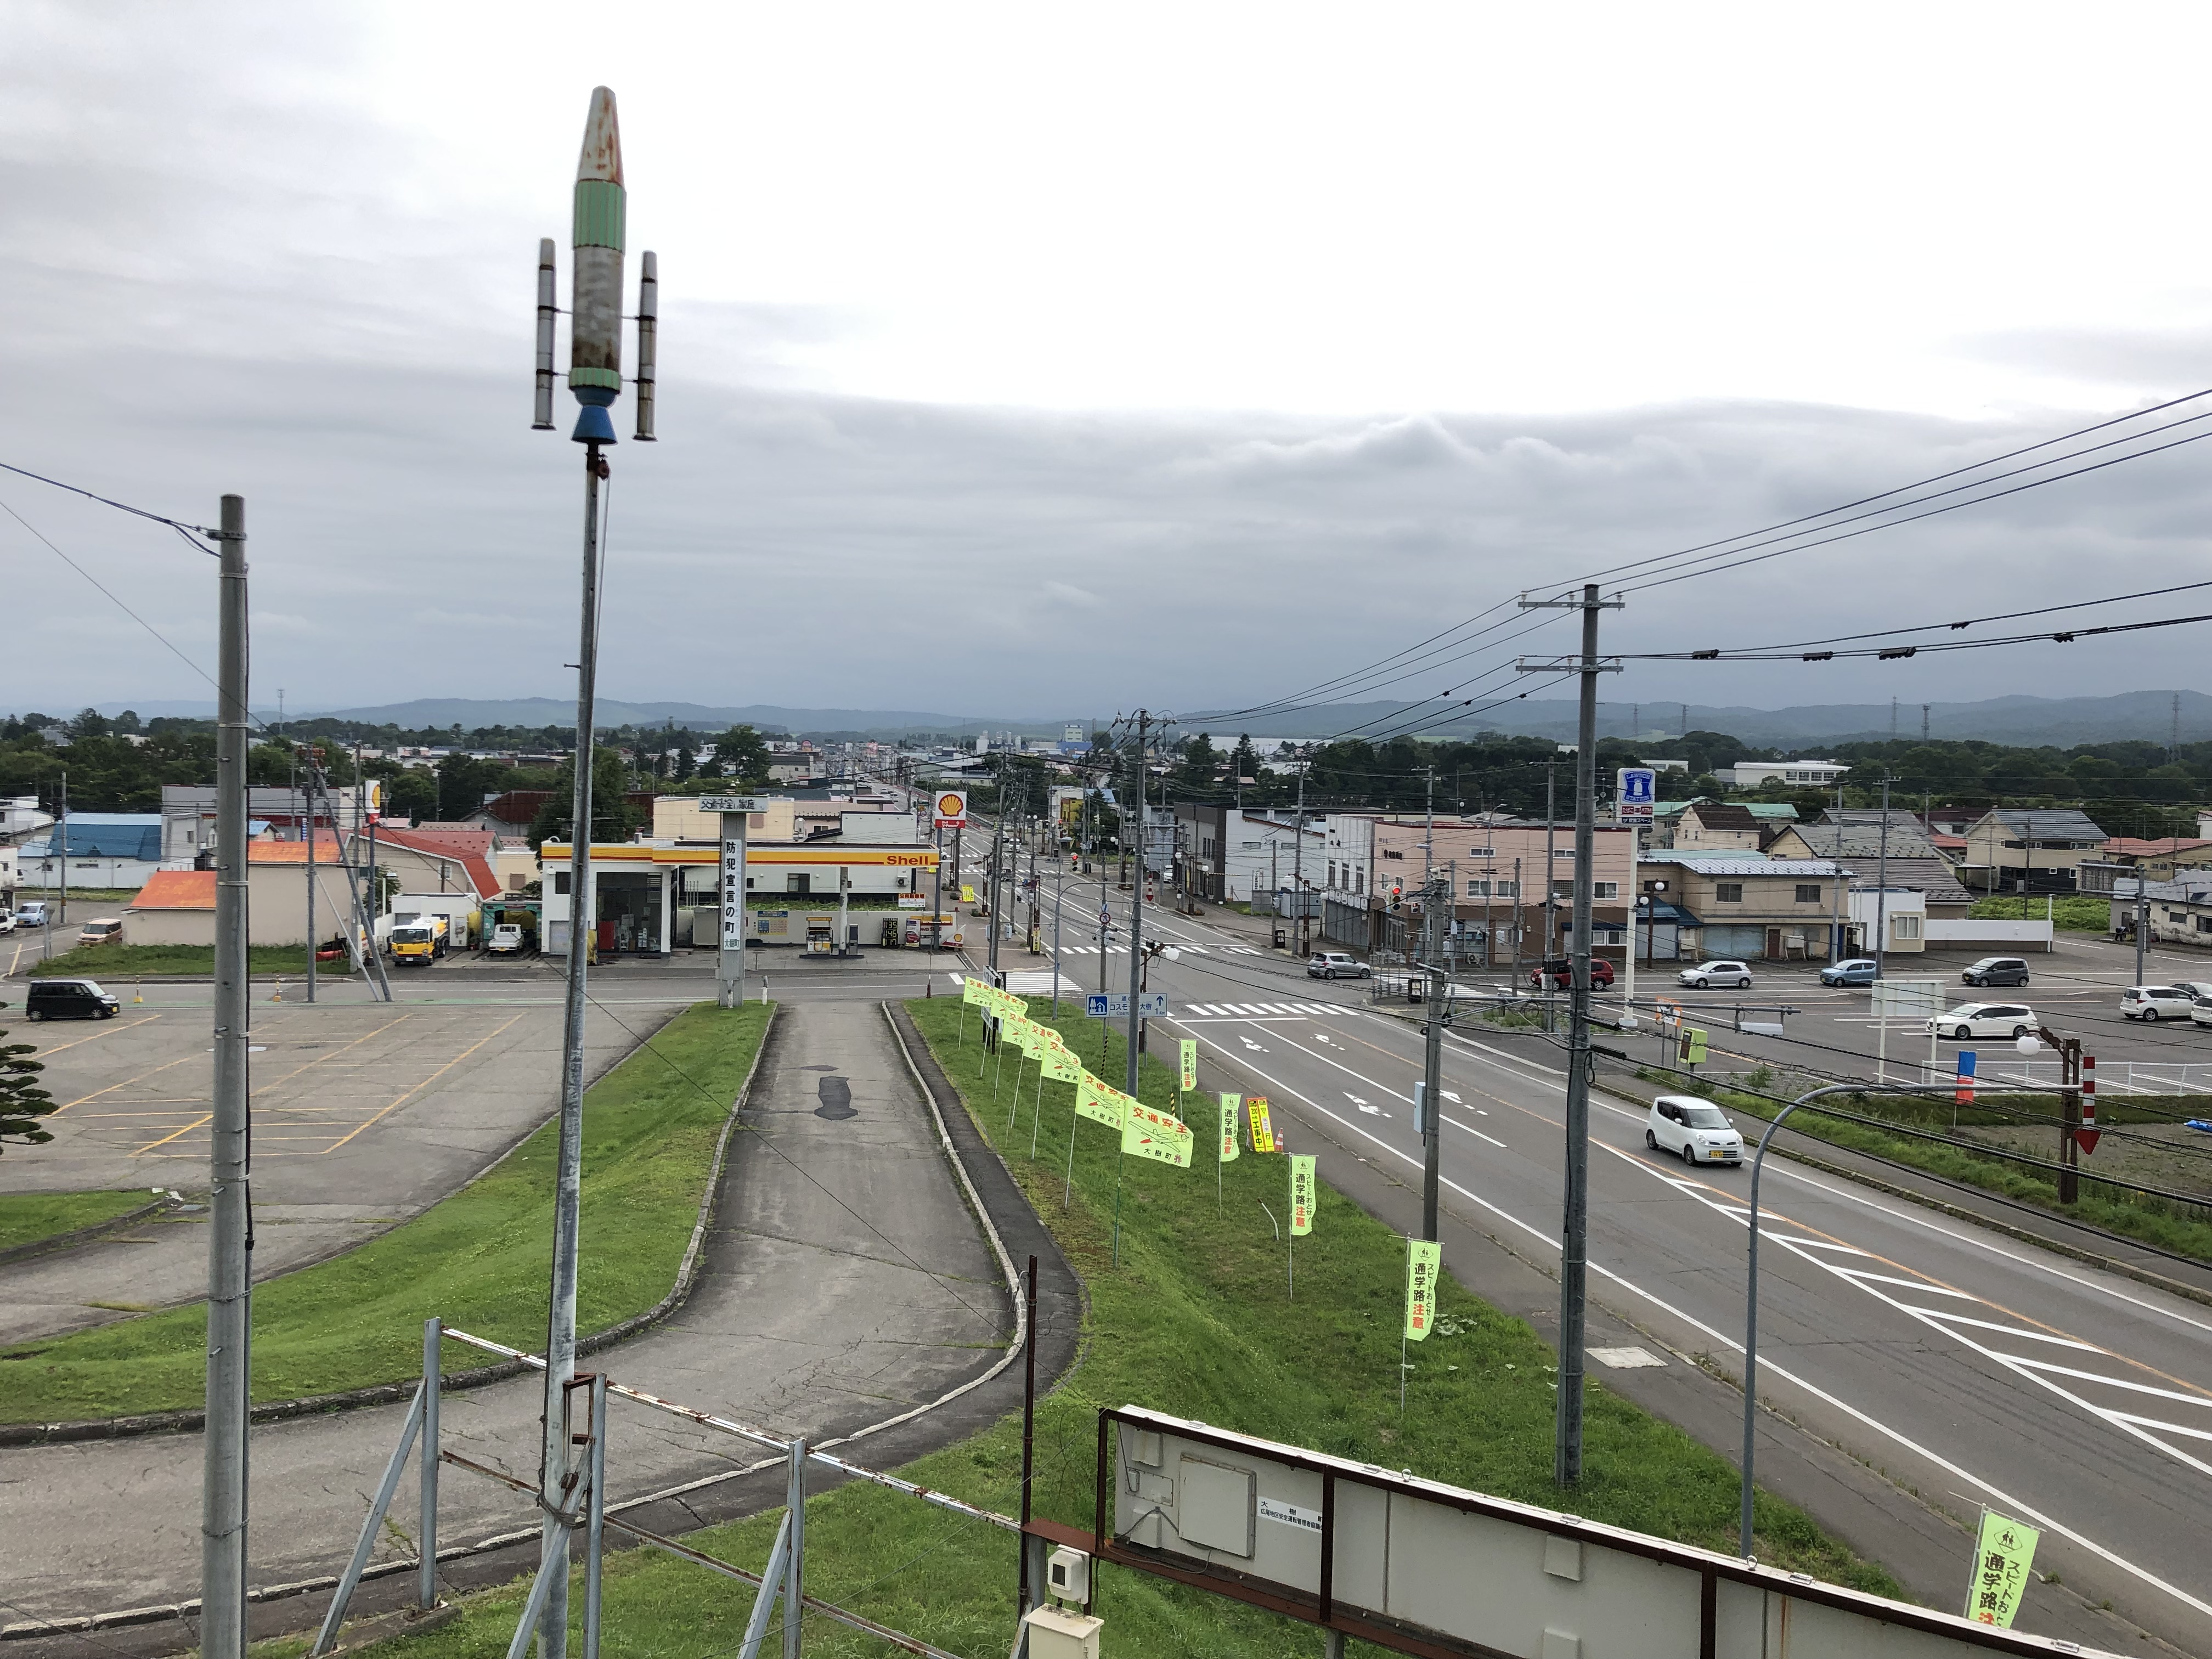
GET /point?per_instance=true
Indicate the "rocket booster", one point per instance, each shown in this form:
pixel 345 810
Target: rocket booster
pixel 596 298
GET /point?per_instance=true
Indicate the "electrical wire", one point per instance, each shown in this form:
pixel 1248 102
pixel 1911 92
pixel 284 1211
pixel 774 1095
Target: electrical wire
pixel 188 529
pixel 1973 622
pixel 2064 636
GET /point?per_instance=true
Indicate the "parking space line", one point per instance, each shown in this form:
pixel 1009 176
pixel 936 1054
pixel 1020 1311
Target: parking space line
pixel 424 1084
pixel 47 1051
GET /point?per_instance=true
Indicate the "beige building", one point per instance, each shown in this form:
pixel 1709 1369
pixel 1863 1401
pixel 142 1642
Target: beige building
pixel 2012 843
pixel 1749 907
pixel 1717 826
pixel 177 907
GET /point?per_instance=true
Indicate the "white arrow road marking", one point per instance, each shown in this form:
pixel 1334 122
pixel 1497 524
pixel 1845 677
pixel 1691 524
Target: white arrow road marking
pixel 1255 1047
pixel 1371 1111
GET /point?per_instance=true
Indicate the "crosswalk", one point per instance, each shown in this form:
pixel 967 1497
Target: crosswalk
pixel 1187 949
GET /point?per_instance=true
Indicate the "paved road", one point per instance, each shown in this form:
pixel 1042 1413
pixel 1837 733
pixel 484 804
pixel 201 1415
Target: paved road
pixel 1970 1367
pixel 846 1280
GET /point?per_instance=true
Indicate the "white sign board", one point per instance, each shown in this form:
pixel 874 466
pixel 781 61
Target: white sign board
pixel 732 804
pixel 1636 793
pixel 733 893
pixel 1909 998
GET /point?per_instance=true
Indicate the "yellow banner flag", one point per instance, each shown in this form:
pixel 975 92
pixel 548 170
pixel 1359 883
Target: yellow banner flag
pixel 1189 1047
pixel 1423 1263
pixel 1263 1131
pixel 1302 1193
pixel 973 991
pixel 1026 1035
pixel 1147 1132
pixel 2002 1554
pixel 1228 1106
pixel 967 894
pixel 1093 1099
pixel 1060 1065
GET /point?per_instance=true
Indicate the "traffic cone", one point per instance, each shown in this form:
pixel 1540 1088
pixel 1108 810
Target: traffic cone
pixel 137 993
pixel 279 997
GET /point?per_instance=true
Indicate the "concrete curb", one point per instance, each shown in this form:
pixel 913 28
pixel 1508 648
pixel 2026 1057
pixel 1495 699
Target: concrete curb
pixel 99 1229
pixel 387 1394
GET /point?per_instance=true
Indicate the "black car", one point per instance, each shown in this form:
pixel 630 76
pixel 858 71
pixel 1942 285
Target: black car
pixel 68 998
pixel 1996 970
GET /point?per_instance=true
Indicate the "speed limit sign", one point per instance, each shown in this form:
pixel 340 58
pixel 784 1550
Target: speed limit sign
pixel 951 808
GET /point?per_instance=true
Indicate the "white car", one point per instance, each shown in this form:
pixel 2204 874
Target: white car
pixel 2152 1003
pixel 1707 975
pixel 1336 964
pixel 2200 1012
pixel 1696 1130
pixel 1985 1019
pixel 7 921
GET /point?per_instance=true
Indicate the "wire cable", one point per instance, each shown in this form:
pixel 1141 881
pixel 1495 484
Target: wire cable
pixel 1972 622
pixel 189 530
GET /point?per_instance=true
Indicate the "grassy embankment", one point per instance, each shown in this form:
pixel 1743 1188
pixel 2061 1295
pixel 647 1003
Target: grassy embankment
pixel 128 961
pixel 2154 1221
pixel 1196 1319
pixel 477 1258
pixel 27 1218
pixel 2073 913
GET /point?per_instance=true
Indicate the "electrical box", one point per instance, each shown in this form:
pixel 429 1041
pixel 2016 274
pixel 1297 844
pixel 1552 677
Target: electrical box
pixel 1056 1633
pixel 1068 1575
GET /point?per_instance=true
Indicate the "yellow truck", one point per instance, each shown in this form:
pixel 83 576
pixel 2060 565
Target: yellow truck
pixel 421 939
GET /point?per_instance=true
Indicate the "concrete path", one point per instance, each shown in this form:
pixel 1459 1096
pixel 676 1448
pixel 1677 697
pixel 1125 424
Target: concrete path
pixel 845 1280
pixel 364 1115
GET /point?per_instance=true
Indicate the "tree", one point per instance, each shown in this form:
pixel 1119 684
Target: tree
pixel 90 723
pixel 741 755
pixel 1243 760
pixel 687 761
pixel 1198 772
pixel 126 724
pixel 22 1102
pixel 613 818
pixel 409 792
pixel 463 783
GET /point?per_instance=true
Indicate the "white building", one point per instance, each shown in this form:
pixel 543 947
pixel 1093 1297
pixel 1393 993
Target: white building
pixel 1753 775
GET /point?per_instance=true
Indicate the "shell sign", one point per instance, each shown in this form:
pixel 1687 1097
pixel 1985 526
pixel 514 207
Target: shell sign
pixel 951 808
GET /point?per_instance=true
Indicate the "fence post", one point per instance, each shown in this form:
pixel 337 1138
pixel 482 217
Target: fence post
pixel 426 1591
pixel 795 1593
pixel 595 1524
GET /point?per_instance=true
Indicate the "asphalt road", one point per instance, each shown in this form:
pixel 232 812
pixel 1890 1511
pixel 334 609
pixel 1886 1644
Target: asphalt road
pixel 1972 1368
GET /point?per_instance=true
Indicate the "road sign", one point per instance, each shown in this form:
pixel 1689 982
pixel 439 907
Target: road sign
pixel 1105 918
pixel 732 804
pixel 1636 792
pixel 951 808
pixel 1152 1005
pixel 1107 1004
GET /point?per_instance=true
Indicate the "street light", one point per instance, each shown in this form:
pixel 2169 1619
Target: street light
pixel 1751 1288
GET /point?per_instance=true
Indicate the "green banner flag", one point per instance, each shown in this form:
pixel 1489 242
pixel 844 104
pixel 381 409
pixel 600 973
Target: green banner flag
pixel 1302 1194
pixel 1060 1065
pixel 1424 1261
pixel 1189 1047
pixel 1147 1132
pixel 1094 1100
pixel 972 992
pixel 2002 1555
pixel 1229 1103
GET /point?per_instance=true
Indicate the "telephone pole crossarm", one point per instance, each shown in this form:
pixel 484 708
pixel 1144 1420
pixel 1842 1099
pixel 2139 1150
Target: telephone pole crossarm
pixel 1566 665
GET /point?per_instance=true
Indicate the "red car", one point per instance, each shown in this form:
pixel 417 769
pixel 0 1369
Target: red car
pixel 1562 975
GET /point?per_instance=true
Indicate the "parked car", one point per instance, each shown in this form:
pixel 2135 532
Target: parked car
pixel 1696 1130
pixel 1336 964
pixel 7 921
pixel 506 939
pixel 1561 973
pixel 33 914
pixel 1859 970
pixel 2152 1003
pixel 68 998
pixel 2200 1012
pixel 101 930
pixel 1985 1019
pixel 1707 975
pixel 2195 988
pixel 1996 970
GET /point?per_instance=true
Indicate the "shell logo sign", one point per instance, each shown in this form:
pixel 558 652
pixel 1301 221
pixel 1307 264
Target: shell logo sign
pixel 951 808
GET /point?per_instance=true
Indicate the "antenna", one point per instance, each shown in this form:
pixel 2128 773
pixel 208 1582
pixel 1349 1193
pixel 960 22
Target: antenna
pixel 542 413
pixel 648 332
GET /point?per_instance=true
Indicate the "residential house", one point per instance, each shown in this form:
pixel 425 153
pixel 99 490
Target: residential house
pixel 177 907
pixel 2179 911
pixel 1912 863
pixel 95 849
pixel 2169 858
pixel 1713 826
pixel 21 818
pixel 1751 906
pixel 2029 849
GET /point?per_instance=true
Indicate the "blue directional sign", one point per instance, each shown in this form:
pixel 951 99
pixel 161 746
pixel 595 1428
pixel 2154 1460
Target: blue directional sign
pixel 1636 794
pixel 1102 1005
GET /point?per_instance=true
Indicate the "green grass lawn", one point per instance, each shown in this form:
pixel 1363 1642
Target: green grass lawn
pixel 125 962
pixel 1197 1319
pixel 477 1258
pixel 27 1218
pixel 2074 913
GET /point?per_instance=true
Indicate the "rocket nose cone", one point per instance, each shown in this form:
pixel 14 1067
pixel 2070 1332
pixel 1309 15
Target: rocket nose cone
pixel 602 153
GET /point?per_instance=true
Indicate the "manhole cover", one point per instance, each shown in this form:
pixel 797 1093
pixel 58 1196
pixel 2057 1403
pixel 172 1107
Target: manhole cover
pixel 836 1093
pixel 1623 1359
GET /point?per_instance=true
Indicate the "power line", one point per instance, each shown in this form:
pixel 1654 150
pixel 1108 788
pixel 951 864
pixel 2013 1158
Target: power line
pixel 1975 622
pixel 188 529
pixel 2065 636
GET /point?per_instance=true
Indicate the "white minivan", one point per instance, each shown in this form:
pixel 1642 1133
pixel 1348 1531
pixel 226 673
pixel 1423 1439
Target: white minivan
pixel 1695 1130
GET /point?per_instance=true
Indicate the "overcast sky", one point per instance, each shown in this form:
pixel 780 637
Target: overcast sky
pixel 1029 358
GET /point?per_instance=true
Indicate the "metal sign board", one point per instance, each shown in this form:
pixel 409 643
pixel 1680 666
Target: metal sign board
pixel 1421 1567
pixel 732 804
pixel 951 808
pixel 1152 1005
pixel 1636 793
pixel 1909 998
pixel 1107 1004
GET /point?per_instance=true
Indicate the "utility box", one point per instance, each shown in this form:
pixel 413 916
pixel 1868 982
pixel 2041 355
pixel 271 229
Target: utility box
pixel 1056 1633
pixel 1068 1575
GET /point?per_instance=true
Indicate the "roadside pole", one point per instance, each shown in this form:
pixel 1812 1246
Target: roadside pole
pixel 230 1308
pixel 2142 922
pixel 1137 914
pixel 311 884
pixel 1881 885
pixel 1432 1099
pixel 1550 864
pixel 730 956
pixel 1574 1263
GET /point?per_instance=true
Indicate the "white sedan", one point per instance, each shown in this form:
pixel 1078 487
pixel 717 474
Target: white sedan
pixel 1709 973
pixel 1985 1019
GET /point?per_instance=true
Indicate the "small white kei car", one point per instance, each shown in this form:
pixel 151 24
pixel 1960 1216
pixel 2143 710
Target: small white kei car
pixel 1696 1130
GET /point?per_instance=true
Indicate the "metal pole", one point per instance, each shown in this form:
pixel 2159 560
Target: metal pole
pixel 1299 865
pixel 1137 918
pixel 311 892
pixel 560 1323
pixel 1881 885
pixel 2142 922
pixel 1751 1311
pixel 230 1313
pixel 1028 1593
pixel 794 1600
pixel 1574 1265
pixel 1432 1075
pixel 595 1517
pixel 1551 863
pixel 426 1578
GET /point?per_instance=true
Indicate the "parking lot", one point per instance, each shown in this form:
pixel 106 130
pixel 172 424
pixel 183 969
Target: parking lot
pixel 364 1113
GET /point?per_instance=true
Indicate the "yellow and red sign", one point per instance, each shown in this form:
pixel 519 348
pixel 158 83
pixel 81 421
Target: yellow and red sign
pixel 1148 1132
pixel 1263 1130
pixel 951 808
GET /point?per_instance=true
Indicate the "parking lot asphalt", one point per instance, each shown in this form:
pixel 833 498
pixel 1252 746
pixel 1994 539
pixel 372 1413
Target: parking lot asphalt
pixel 363 1114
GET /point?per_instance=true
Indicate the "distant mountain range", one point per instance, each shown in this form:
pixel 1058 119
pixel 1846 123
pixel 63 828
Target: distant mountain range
pixel 2143 715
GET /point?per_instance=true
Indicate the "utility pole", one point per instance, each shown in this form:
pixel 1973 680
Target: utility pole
pixel 1299 865
pixel 1137 914
pixel 230 1287
pixel 1432 1098
pixel 310 804
pixel 1574 1254
pixel 998 835
pixel 1881 884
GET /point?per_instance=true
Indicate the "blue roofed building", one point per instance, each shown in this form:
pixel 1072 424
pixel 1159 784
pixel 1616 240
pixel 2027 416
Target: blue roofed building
pixel 101 849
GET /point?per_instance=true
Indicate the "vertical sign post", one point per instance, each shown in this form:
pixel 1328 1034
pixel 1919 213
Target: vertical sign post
pixel 729 958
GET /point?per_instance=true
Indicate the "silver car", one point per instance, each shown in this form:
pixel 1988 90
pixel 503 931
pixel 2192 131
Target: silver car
pixel 1707 975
